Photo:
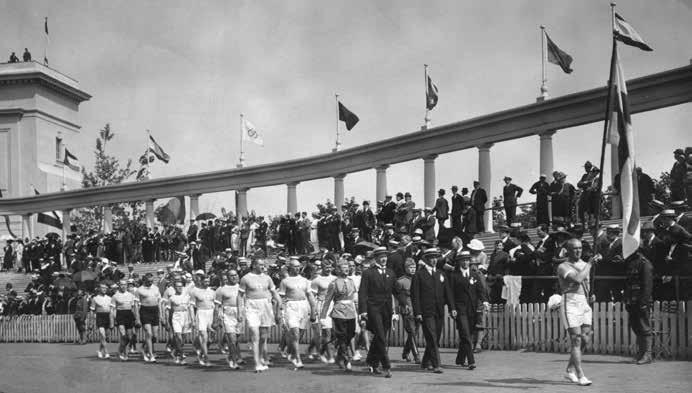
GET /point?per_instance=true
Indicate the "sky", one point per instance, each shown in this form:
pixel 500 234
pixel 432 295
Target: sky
pixel 187 71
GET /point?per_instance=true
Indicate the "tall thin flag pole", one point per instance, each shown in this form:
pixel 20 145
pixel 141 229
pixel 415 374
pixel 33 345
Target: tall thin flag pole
pixel 427 111
pixel 148 155
pixel 241 161
pixel 64 186
pixel 45 48
pixel 606 119
pixel 544 77
pixel 338 137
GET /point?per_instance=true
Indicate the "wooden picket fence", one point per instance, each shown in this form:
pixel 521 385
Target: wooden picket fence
pixel 532 327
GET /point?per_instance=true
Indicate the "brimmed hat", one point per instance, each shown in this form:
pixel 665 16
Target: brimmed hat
pixel 542 175
pixel 476 245
pixel 507 178
pixel 655 203
pixel 432 252
pixel 418 231
pixel 379 251
pixel 678 205
pixel 503 228
pixel 462 255
pixel 679 152
pixel 393 242
pixel 199 272
pixel 668 213
pixel 613 228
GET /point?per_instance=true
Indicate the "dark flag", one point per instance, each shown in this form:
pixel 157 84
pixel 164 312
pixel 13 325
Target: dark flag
pixel 172 212
pixel 625 33
pixel 71 161
pixel 347 117
pixel 558 56
pixel 45 28
pixel 430 94
pixel 158 151
pixel 49 219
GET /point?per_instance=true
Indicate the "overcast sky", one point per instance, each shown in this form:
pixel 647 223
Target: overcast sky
pixel 186 70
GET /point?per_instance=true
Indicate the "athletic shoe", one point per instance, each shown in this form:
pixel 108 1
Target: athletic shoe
pixel 357 356
pixel 182 362
pixel 122 357
pixel 331 361
pixel 348 367
pixel 324 359
pixel 284 354
pixel 200 361
pixel 106 355
pixel 312 356
pixel 152 358
pixel 572 377
pixel 299 364
pixel 583 381
pixel 387 373
pixel 99 354
pixel 177 360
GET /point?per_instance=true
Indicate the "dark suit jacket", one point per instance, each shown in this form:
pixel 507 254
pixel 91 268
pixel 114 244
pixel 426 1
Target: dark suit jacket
pixel 510 193
pixel 395 262
pixel 478 199
pixel 457 205
pixel 465 295
pixel 375 292
pixel 429 293
pixel 441 208
pixel 387 213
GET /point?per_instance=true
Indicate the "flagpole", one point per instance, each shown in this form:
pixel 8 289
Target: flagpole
pixel 427 111
pixel 338 140
pixel 45 48
pixel 241 160
pixel 606 121
pixel 148 154
pixel 544 78
pixel 64 187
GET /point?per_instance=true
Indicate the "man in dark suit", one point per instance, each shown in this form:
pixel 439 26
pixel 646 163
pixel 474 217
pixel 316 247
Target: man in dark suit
pixel 478 200
pixel 457 210
pixel 510 194
pixel 441 209
pixel 377 285
pixel 677 244
pixel 386 214
pixel 540 189
pixel 429 294
pixel 469 293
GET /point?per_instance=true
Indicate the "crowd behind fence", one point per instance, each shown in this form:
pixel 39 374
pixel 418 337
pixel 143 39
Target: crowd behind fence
pixel 532 327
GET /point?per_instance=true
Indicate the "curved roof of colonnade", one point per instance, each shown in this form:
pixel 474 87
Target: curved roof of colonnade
pixel 663 89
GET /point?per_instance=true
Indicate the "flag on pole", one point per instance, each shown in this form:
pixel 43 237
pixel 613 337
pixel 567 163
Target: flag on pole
pixel 250 133
pixel 430 94
pixel 625 33
pixel 558 56
pixel 158 151
pixel 621 124
pixel 45 28
pixel 71 161
pixel 347 117
pixel 173 212
pixel 52 219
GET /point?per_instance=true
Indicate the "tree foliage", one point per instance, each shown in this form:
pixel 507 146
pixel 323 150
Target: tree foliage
pixel 107 170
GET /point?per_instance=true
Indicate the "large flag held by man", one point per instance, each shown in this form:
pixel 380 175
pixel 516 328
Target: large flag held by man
pixel 621 125
pixel 347 117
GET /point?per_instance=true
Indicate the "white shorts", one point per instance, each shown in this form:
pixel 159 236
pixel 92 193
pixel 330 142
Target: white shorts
pixel 297 314
pixel 205 319
pixel 325 323
pixel 575 311
pixel 230 320
pixel 180 322
pixel 259 313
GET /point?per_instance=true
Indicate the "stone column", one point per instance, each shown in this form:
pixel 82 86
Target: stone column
pixel 485 179
pixel 616 211
pixel 149 207
pixel 545 162
pixel 339 191
pixel 429 180
pixel 66 224
pixel 194 206
pixel 291 198
pixel 241 202
pixel 107 219
pixel 381 186
pixel 27 227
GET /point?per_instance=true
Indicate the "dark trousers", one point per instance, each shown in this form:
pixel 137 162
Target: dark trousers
pixel 411 327
pixel 441 223
pixel 344 331
pixel 432 330
pixel 379 323
pixel 456 224
pixel 639 319
pixel 480 214
pixel 465 339
pixel 542 216
pixel 510 213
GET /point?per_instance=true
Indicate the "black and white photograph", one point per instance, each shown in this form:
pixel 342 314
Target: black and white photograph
pixel 383 196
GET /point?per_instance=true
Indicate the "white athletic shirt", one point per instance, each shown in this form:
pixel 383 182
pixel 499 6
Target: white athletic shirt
pixel 123 300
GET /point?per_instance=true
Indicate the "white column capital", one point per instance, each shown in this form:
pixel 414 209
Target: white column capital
pixel 485 147
pixel 382 168
pixel 430 157
pixel 547 134
pixel 340 176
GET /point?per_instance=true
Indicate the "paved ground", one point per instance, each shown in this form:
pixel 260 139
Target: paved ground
pixel 72 368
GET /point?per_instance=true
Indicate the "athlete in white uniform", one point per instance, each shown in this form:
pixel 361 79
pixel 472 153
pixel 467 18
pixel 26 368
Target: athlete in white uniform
pixel 227 309
pixel 202 298
pixel 178 306
pixel 123 303
pixel 101 305
pixel 319 286
pixel 299 309
pixel 148 302
pixel 361 334
pixel 573 276
pixel 256 292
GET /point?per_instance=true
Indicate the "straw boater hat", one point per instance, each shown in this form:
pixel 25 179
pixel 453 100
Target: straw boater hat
pixel 476 245
pixel 668 213
pixel 462 255
pixel 431 252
